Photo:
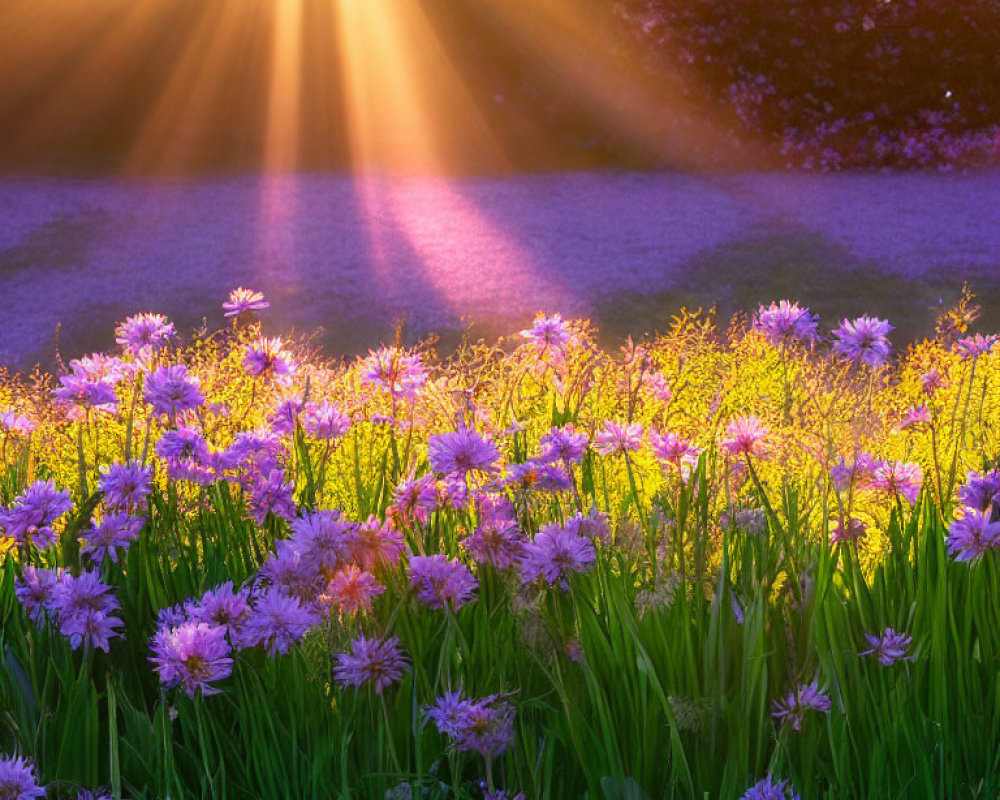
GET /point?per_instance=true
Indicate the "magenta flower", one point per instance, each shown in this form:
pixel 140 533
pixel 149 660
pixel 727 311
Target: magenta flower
pixel 745 436
pixel 125 486
pixel 192 654
pixel 902 478
pixel 972 535
pixel 242 300
pixel 675 454
pixel 271 494
pixel 864 339
pixel 564 444
pixel 268 358
pixel 931 381
pixel 276 622
pixel 442 583
pixel 806 697
pixel 17 779
pixel 461 452
pixel 372 662
pixel 400 373
pixel 548 334
pixel 784 322
pixel 352 590
pixel 373 544
pixel 975 346
pixel 917 415
pixel 17 423
pixel 172 391
pixel 618 438
pixel 888 647
pixel 554 553
pixel 144 333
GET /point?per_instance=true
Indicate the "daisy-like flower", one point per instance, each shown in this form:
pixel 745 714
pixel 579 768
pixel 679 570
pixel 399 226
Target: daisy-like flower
pixel 888 647
pixel 618 438
pixel 34 590
pixel 125 486
pixel 864 339
pixel 378 663
pixel 284 416
pixel 675 454
pixel 171 390
pixel 554 553
pixel 537 476
pixel 271 494
pixel 975 346
pixel 805 697
pixel 373 544
pixel 352 590
pixel 223 607
pixel 83 606
pixel 783 322
pixel 76 390
pixel 485 726
pixel 496 541
pixel 902 478
pixel 29 521
pixel 461 452
pixel 979 491
pixel 16 423
pixel 745 435
pixel 144 333
pixel 276 622
pixel 268 358
pixel 325 421
pixel 192 654
pixel 442 583
pixel 111 536
pixel 400 373
pixel 548 334
pixel 858 472
pixel 972 535
pixel 242 300
pixel 17 779
pixel 768 789
pixel 564 444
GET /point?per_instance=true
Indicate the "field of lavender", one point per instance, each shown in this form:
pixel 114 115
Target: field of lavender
pixel 752 559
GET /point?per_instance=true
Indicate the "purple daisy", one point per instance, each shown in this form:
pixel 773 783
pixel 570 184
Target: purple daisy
pixel 805 697
pixel 767 789
pixel 979 491
pixel 888 647
pixel 29 521
pixel 864 339
pixel 564 444
pixel 745 435
pixel 144 333
pixel 267 358
pixel 484 726
pixel 548 334
pixel 172 391
pixel 125 486
pixel 783 322
pixel 442 583
pixel 618 438
pixel 554 552
pixel 461 452
pixel 112 536
pixel 276 622
pixel 372 662
pixel 902 478
pixel 972 535
pixel 242 300
pixel 400 373
pixel 496 541
pixel 975 346
pixel 325 421
pixel 17 779
pixel 193 654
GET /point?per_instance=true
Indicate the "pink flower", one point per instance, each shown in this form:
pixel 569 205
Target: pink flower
pixel 745 436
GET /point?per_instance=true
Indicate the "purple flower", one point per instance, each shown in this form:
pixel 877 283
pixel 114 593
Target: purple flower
pixel 548 334
pixel 325 421
pixel 224 608
pixel 352 590
pixel 101 367
pixel 440 583
pixel 485 726
pixel 564 444
pixel 849 531
pixel 114 533
pixel 284 416
pixel 972 535
pixel 675 454
pixel 277 622
pixel 461 451
pixel 268 358
pixel 806 697
pixel 34 590
pixel 125 486
pixel 979 491
pixel 496 541
pixel 858 473
pixel 394 370
pixel 785 321
pixel 144 333
pixel 271 494
pixel 902 478
pixel 98 394
pixel 889 647
pixel 745 435
pixel 82 606
pixel 171 391
pixel 538 476
pixel 767 789
pixel 373 544
pixel 194 654
pixel 593 525
pixel 554 552
pixel 371 662
pixel 91 627
pixel 29 521
pixel 242 300
pixel 17 779
pixel 618 438
pixel 864 339
pixel 975 346
pixel 17 423
pixel 290 571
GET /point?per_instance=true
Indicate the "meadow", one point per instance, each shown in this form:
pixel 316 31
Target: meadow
pixel 750 559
